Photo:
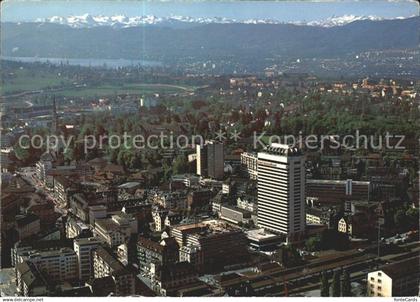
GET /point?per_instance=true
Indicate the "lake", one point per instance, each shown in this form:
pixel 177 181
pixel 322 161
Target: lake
pixel 110 63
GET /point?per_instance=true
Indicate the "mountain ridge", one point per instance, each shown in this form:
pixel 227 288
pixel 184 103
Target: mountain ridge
pixel 88 20
pixel 244 44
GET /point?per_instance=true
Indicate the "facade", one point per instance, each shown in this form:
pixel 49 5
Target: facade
pixel 106 265
pixel 234 214
pixel 43 166
pixel 215 160
pixel 397 279
pixel 281 190
pixel 166 280
pixel 193 255
pixel 75 228
pixel 219 242
pixel 150 252
pixel 247 203
pixel 201 161
pixel 29 282
pixel 61 184
pixel 27 225
pixel 249 162
pixel 329 190
pixel 59 265
pixel 84 248
pixel 261 240
pixel 116 230
pixel 344 225
pixel 210 160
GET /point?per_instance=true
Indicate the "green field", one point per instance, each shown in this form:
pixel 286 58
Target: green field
pixel 25 81
pixel 104 90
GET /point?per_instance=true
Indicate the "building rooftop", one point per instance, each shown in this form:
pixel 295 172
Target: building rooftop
pixel 260 234
pixel 25 220
pixel 402 268
pixel 111 261
pixel 336 182
pixel 283 149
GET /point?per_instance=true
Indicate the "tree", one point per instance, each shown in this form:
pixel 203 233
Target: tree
pixel 325 286
pixel 346 285
pixel 336 286
pixel 180 164
pixel 400 219
pixel 313 244
pixel 412 217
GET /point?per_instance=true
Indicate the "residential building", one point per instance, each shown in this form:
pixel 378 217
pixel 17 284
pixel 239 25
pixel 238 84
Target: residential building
pixel 106 265
pixel 193 255
pixel 397 279
pixel 61 184
pixel 27 225
pixel 115 230
pixel 249 163
pixel 76 228
pixel 84 248
pixel 30 282
pixel 151 252
pixel 60 264
pixel 42 167
pixel 166 280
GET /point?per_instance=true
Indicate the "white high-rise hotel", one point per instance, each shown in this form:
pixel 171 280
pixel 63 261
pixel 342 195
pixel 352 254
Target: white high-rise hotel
pixel 281 190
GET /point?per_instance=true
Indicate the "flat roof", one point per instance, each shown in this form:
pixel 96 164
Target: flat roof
pixel 260 234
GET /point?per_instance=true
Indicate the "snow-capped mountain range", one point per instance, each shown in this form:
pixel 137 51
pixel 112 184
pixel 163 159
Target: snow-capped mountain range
pixel 88 20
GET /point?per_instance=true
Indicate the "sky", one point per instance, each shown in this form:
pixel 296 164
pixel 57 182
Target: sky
pixel 286 11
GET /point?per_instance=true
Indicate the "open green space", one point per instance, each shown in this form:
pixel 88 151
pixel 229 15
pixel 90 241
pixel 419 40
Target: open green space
pixel 103 90
pixel 27 80
pixel 24 80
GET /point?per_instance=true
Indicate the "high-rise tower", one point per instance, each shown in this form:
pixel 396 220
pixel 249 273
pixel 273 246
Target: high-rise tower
pixel 281 190
pixel 54 121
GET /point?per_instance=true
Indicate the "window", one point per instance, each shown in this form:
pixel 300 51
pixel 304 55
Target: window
pixel 372 279
pixel 379 274
pixel 379 281
pixel 379 287
pixel 379 295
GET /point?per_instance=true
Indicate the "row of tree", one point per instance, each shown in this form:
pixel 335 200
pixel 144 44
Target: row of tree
pixel 341 285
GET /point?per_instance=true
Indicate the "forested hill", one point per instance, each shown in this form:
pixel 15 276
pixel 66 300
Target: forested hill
pixel 213 41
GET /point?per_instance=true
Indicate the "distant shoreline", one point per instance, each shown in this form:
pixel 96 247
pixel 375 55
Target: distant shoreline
pixel 109 63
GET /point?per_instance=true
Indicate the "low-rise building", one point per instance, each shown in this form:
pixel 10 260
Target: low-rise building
pixel 60 265
pixel 150 252
pixel 220 243
pixel 235 214
pixel 397 279
pixel 115 230
pixel 61 184
pixel 249 162
pixel 29 281
pixel 166 280
pixel 248 203
pixel 84 248
pixel 105 265
pixel 76 228
pixel 262 240
pixel 27 225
